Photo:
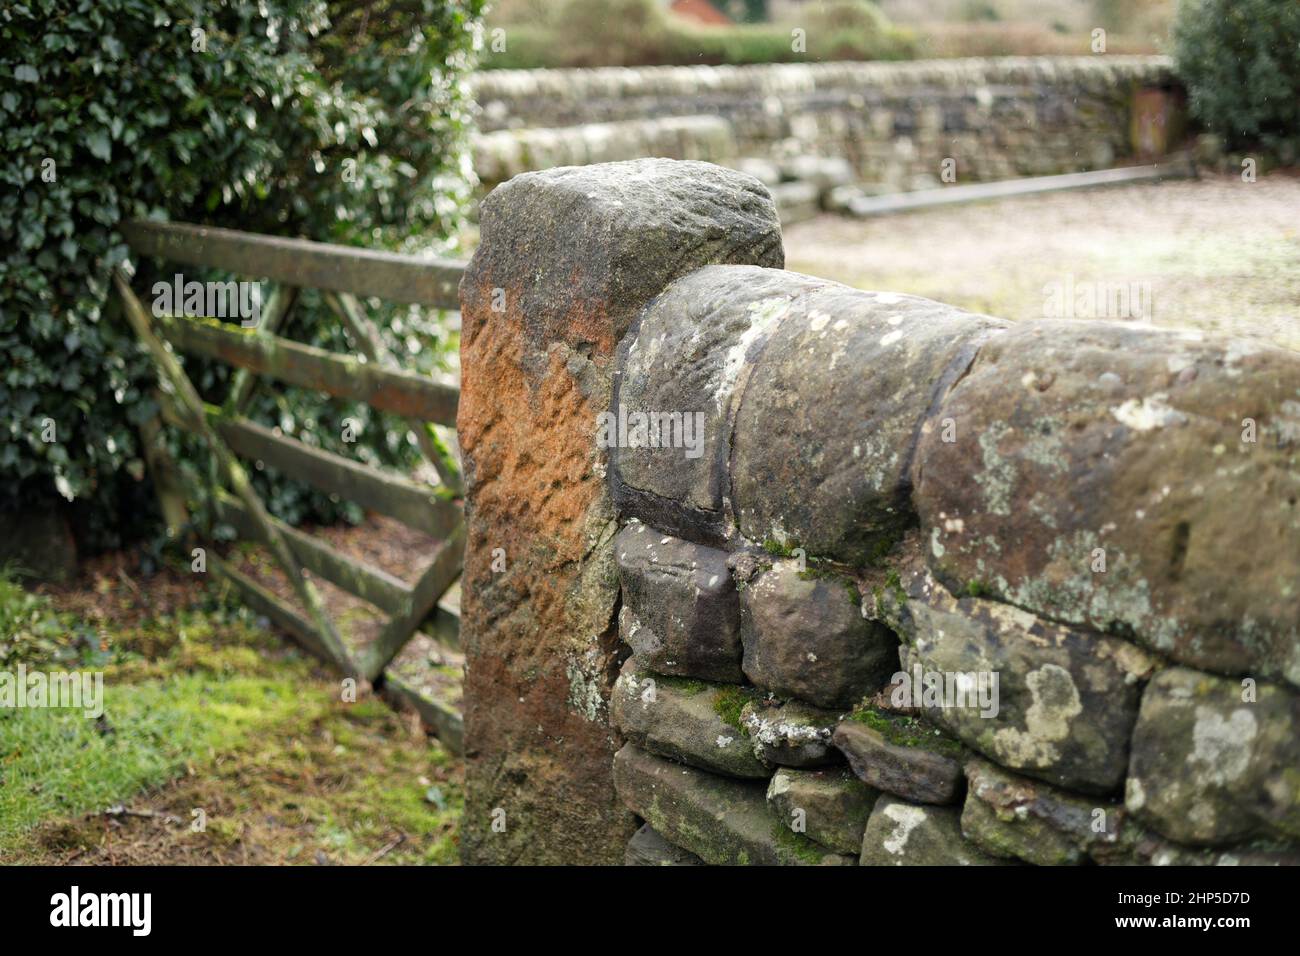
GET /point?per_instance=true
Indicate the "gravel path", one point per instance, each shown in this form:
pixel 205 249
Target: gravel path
pixel 1214 254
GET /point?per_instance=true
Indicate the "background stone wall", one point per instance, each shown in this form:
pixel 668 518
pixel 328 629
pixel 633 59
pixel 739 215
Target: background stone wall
pixel 812 490
pixel 893 122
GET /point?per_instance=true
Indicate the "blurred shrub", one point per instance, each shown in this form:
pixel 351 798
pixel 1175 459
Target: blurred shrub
pixel 591 33
pixel 1240 60
pixel 237 113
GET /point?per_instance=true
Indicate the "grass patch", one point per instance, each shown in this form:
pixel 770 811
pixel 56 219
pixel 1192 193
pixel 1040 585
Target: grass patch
pixel 210 710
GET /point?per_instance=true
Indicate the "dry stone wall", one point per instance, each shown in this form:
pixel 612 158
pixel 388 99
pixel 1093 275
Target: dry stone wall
pixel 893 122
pixel 886 582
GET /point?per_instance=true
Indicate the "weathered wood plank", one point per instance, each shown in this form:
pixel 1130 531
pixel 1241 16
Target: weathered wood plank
pixel 437 577
pixel 444 623
pixel 442 719
pixel 410 502
pixel 274 314
pixel 167 482
pixel 367 338
pixel 171 372
pixel 267 604
pixel 407 394
pixel 303 263
pixel 386 592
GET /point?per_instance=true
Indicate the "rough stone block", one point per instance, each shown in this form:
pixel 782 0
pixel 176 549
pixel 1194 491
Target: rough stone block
pixel 804 636
pixel 1210 768
pixel 825 436
pixel 1139 846
pixel 1065 700
pixel 686 720
pixel 648 848
pixel 1082 446
pixel 567 258
pixel 907 834
pixel 691 354
pixel 830 806
pixel 1011 816
pixel 791 734
pixel 723 821
pixel 680 612
pixel 902 756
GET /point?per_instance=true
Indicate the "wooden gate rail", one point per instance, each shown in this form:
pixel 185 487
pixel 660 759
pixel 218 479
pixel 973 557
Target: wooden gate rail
pixel 300 262
pixel 345 275
pixel 406 393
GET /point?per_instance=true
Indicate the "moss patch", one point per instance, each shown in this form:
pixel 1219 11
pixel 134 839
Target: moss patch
pixel 797 845
pixel 815 573
pixel 728 703
pixel 904 731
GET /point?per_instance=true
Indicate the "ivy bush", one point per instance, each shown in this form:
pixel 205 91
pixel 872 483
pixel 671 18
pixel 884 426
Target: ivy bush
pixel 1240 60
pixel 236 113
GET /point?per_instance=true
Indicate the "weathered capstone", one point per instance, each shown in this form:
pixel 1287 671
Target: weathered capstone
pixel 648 848
pixel 691 354
pixel 680 613
pixel 824 437
pixel 1064 702
pixel 1012 816
pixel 1211 766
pixel 907 834
pixel 902 757
pixel 567 258
pixel 791 733
pixel 830 806
pixel 683 719
pixel 804 636
pixel 723 821
pixel 1139 481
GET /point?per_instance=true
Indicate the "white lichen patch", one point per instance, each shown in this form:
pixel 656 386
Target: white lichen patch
pixel 763 316
pixel 1054 704
pixel 906 819
pixel 998 478
pixel 936 546
pixel 1149 413
pixel 584 692
pixel 1135 795
pixel 1221 747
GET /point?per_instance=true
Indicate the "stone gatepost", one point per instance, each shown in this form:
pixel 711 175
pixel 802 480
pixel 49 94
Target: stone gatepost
pixel 568 259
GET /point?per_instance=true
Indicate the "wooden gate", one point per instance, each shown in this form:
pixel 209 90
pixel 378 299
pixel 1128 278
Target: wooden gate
pixel 344 275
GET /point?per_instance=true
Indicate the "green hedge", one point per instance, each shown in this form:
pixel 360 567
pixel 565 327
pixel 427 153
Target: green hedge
pixel 1240 60
pixel 238 113
pixel 590 33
